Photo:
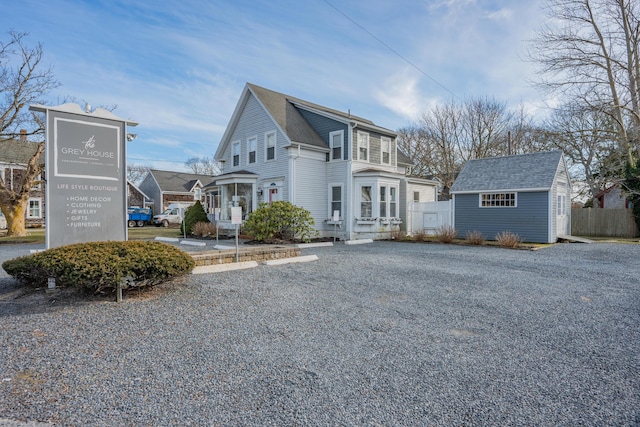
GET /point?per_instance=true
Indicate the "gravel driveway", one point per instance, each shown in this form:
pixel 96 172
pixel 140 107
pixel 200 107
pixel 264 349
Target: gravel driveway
pixel 381 334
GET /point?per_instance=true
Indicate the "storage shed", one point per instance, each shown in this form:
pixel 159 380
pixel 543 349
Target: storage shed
pixel 527 194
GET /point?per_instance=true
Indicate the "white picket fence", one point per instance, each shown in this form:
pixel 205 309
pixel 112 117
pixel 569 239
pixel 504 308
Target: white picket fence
pixel 426 217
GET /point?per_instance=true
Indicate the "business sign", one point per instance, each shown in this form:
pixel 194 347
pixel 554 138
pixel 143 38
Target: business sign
pixel 85 172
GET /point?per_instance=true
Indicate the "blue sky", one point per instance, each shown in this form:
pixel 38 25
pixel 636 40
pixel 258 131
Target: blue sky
pixel 178 68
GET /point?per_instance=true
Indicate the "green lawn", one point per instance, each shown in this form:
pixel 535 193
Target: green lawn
pixel 37 235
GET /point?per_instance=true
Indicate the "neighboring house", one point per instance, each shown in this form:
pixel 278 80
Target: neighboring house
pixel 278 147
pixel 165 187
pixel 14 157
pixel 612 198
pixel 135 197
pixel 528 194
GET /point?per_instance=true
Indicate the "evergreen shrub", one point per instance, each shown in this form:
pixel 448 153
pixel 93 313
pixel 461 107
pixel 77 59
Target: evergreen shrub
pixel 279 221
pixel 100 266
pixel 193 215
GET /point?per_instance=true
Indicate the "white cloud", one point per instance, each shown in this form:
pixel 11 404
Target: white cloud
pixel 501 14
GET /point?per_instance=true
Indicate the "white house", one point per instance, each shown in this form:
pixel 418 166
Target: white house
pixel 278 147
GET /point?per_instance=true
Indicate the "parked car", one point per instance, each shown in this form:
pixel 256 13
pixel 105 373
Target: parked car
pixel 172 215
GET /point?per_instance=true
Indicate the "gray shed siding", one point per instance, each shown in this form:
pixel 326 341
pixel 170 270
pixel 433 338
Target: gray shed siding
pixel 324 126
pixel 530 219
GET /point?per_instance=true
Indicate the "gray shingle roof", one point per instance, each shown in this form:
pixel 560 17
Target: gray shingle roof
pixel 14 151
pixel 179 182
pixel 282 109
pixel 287 116
pixel 520 172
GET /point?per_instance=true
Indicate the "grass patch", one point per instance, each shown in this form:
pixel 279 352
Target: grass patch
pixel 37 235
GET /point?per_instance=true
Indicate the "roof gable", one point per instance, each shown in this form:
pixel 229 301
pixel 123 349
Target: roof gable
pixel 179 182
pixel 284 110
pixel 519 172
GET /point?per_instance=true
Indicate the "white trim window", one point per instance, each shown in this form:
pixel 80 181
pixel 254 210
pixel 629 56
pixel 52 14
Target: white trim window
pixel 393 202
pixel 498 200
pixel 270 146
pixel 252 149
pixel 235 154
pixel 382 202
pixel 35 208
pixel 363 146
pixel 385 148
pixel 366 202
pixel 562 204
pixel 335 200
pixel 37 182
pixel 336 140
pixel 388 201
pixel 197 193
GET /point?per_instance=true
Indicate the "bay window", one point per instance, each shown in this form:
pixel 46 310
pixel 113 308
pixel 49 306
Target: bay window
pixel 366 202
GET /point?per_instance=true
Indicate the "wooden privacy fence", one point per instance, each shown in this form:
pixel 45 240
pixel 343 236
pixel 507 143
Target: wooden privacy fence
pixel 603 222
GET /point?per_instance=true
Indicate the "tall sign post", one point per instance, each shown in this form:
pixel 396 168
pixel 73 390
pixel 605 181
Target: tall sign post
pixel 236 219
pixel 86 175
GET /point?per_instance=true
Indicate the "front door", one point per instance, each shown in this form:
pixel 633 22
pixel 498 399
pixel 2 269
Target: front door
pixel 274 196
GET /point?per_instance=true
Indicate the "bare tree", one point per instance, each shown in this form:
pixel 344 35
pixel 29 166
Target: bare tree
pixel 136 173
pixel 588 138
pixel 589 52
pixel 23 81
pixel 203 165
pixel 449 135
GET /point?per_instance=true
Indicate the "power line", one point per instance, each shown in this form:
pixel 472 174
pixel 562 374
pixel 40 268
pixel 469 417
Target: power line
pixel 392 49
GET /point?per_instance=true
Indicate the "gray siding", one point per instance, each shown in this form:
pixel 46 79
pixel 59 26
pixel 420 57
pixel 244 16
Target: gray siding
pixel 375 148
pixel 530 220
pixel 254 121
pixel 150 188
pixel 324 126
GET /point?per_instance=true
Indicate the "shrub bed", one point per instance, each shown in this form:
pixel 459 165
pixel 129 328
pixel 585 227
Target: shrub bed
pixel 100 266
pixel 279 221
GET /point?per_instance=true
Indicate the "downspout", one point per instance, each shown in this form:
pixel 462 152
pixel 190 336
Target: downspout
pixel 292 181
pixel 349 218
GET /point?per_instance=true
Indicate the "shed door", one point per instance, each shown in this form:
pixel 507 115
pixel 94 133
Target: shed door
pixel 561 225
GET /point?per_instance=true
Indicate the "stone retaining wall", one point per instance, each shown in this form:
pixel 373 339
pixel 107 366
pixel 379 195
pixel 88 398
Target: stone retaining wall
pixel 257 254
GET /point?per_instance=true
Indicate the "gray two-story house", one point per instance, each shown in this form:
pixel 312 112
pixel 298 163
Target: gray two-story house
pixel 347 171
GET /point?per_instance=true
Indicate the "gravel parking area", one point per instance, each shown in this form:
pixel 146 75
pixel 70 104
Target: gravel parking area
pixel 379 334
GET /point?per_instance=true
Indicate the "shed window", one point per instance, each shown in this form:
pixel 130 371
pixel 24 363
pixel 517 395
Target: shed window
pixel 498 200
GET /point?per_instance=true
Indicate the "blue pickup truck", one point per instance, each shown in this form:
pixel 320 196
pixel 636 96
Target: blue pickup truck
pixel 139 216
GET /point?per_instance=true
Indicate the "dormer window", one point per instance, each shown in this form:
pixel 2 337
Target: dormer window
pixel 197 193
pixel 363 146
pixel 385 148
pixel 336 139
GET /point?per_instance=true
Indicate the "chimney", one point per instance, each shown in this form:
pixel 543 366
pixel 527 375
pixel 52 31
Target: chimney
pixel 23 135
